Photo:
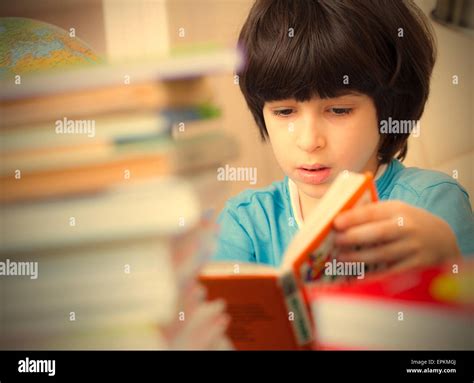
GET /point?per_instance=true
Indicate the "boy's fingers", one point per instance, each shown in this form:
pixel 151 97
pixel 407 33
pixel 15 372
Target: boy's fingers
pixel 366 213
pixel 203 336
pixel 211 335
pixel 369 234
pixel 406 264
pixel 386 253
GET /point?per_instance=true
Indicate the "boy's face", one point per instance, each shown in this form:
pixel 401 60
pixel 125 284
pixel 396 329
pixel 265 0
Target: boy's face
pixel 314 141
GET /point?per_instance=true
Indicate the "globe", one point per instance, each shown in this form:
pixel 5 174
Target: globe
pixel 28 45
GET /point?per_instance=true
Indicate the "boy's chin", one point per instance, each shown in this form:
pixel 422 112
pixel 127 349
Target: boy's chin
pixel 314 191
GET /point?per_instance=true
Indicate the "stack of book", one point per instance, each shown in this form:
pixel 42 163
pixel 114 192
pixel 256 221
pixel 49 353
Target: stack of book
pixel 107 176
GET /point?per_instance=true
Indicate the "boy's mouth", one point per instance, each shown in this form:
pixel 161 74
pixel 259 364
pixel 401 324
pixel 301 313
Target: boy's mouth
pixel 313 167
pixel 313 174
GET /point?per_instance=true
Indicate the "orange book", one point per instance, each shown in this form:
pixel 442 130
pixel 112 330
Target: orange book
pixel 269 306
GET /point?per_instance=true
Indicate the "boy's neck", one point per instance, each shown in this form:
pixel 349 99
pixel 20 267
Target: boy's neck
pixel 307 204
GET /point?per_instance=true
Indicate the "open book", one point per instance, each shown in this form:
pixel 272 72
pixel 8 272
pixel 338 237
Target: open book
pixel 268 306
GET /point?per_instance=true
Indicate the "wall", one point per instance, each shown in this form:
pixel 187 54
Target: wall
pixel 446 139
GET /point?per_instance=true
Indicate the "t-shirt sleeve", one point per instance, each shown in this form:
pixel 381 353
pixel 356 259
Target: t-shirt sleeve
pixel 451 203
pixel 233 241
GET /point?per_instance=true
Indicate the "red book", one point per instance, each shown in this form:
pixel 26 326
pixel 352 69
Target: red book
pixel 426 308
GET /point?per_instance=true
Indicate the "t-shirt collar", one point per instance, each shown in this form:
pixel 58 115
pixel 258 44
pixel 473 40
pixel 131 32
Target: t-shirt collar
pixel 295 198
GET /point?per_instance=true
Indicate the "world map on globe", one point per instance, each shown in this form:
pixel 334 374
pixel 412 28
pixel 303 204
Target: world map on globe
pixel 28 45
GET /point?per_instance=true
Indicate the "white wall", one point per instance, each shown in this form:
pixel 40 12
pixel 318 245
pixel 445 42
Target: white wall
pixel 446 139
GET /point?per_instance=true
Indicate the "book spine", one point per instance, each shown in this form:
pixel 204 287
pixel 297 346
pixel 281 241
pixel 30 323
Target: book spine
pixel 298 315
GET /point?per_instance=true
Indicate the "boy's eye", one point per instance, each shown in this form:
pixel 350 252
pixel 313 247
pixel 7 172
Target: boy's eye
pixel 340 111
pixel 283 112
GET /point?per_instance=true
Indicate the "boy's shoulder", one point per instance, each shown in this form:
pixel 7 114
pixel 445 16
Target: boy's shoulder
pixel 255 224
pixel 275 194
pixel 415 180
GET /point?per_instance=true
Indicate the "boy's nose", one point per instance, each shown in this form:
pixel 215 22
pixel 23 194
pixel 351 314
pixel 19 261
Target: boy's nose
pixel 310 139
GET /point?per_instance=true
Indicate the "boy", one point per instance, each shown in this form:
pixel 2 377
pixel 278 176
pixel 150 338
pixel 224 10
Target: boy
pixel 321 78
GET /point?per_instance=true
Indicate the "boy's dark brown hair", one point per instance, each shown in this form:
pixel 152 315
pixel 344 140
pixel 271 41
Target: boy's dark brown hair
pixel 385 47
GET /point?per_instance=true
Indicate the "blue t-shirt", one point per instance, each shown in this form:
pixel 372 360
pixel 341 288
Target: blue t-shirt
pixel 258 225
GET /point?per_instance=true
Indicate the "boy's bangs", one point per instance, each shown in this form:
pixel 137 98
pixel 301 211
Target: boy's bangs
pixel 313 56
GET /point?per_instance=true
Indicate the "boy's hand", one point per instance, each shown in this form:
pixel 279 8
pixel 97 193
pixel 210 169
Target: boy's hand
pixel 395 234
